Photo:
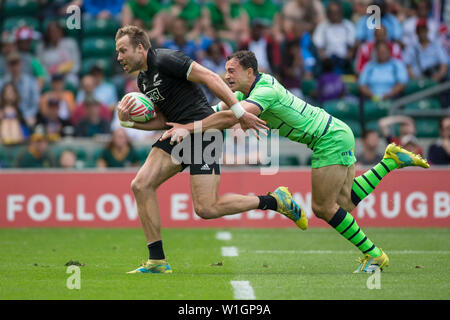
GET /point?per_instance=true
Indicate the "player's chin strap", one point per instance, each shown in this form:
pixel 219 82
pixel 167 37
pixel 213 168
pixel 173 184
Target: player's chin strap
pixel 127 124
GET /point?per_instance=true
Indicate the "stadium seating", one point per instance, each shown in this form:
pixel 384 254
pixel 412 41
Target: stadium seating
pixel 98 47
pixel 289 160
pixel 427 128
pixel 426 104
pixel 308 86
pixel 375 110
pixel 355 125
pixel 104 63
pixel 12 23
pixel 344 110
pixel 100 28
pixel 414 86
pixel 15 8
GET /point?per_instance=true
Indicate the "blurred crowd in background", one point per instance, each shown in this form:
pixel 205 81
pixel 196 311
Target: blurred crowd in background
pixel 60 85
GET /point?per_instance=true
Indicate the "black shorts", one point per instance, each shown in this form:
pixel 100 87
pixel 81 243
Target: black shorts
pixel 203 156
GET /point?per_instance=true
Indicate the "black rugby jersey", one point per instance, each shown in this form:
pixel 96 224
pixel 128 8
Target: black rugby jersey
pixel 165 83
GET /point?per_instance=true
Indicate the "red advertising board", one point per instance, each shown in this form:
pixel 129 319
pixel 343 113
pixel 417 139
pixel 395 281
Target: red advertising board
pixel 405 198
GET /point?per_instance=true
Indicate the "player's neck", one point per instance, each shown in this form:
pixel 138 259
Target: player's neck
pixel 249 87
pixel 145 65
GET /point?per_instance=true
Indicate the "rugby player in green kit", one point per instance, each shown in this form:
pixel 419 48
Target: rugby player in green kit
pixel 335 190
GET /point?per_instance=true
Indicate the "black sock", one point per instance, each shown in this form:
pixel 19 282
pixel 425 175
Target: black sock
pixel 267 203
pixel 155 250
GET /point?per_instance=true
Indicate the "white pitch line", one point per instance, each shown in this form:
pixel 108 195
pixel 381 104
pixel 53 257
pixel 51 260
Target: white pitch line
pixel 347 251
pixel 223 235
pixel 243 290
pixel 230 252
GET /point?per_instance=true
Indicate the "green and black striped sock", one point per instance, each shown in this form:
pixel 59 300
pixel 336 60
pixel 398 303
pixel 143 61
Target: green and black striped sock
pixel 364 184
pixel 346 225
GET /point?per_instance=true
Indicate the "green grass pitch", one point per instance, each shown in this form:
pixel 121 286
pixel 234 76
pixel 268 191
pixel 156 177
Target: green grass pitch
pixel 278 263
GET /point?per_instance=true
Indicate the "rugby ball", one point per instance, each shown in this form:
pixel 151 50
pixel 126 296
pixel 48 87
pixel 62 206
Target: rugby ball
pixel 143 109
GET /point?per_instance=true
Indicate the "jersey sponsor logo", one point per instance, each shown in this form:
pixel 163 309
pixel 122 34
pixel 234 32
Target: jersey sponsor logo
pixel 349 153
pixel 205 167
pixel 154 95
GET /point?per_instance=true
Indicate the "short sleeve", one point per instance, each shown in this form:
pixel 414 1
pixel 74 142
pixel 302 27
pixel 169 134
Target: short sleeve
pixel 174 63
pixel 361 29
pixel 318 36
pixel 239 95
pixel 263 97
pixel 409 55
pixel 441 54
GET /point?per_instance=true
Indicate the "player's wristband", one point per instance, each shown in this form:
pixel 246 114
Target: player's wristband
pixel 237 110
pixel 217 107
pixel 127 124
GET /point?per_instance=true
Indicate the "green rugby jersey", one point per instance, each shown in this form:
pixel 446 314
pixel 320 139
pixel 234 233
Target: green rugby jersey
pixel 293 117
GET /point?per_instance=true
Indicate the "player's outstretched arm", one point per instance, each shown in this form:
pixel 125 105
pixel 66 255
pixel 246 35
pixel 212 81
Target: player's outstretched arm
pixel 214 82
pixel 219 120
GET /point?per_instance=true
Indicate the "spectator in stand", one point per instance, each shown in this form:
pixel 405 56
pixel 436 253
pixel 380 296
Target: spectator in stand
pixel 179 40
pixel 187 10
pixel 335 37
pixel 330 85
pixel 385 78
pixel 266 48
pixel 104 91
pixel 13 128
pixel 426 59
pixel 214 61
pixel 28 86
pixel 366 50
pixel 145 14
pixel 58 93
pixel 370 155
pixel 306 48
pixel 423 10
pixel 59 54
pixel 36 155
pixel 100 9
pixel 411 143
pixel 439 152
pixel 267 12
pixel 92 124
pixel 31 64
pixel 88 92
pixel 364 31
pixel 407 128
pixel 68 159
pixel 8 45
pixel 292 68
pixel 54 125
pixel 311 13
pixel 119 152
pixel 228 18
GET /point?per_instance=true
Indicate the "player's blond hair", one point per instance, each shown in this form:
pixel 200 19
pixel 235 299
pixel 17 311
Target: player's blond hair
pixel 136 35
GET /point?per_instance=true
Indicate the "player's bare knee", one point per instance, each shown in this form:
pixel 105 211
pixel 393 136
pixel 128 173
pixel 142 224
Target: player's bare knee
pixel 139 185
pixel 204 211
pixel 320 211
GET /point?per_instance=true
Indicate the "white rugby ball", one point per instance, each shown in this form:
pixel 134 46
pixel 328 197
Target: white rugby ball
pixel 143 109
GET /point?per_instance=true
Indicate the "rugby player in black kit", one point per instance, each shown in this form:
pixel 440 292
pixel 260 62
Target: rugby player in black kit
pixel 169 78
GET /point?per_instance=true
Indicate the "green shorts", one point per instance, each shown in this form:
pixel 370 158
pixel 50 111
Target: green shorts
pixel 337 146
